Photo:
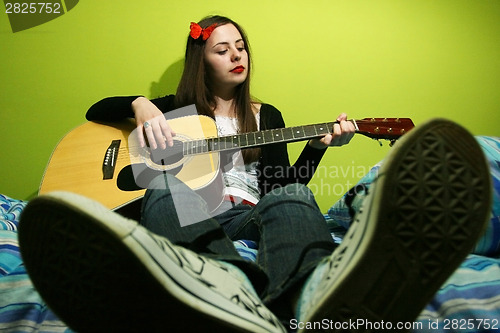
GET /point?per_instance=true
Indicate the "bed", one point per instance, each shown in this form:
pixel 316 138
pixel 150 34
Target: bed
pixel 469 301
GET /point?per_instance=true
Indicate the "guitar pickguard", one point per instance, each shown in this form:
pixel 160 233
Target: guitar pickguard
pixel 136 177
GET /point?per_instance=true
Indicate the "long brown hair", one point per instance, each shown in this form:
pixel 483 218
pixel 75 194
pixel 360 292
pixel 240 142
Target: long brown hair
pixel 194 86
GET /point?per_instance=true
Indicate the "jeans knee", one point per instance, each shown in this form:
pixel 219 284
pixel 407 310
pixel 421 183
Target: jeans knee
pixel 162 186
pixel 293 192
pixel 162 182
pixel 292 206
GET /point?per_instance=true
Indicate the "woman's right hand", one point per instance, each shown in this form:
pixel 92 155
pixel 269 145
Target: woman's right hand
pixel 151 121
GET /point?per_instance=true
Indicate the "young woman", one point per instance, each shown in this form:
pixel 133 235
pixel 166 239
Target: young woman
pixel 165 273
pixel 217 80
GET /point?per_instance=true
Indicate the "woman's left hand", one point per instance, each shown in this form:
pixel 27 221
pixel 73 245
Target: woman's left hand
pixel 342 133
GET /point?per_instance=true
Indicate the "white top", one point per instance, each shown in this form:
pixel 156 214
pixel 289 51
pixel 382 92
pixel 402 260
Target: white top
pixel 241 180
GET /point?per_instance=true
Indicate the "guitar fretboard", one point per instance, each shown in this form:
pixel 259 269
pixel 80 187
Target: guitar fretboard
pixel 255 139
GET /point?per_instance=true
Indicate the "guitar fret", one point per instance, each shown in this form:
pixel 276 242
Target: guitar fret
pixel 202 146
pixel 278 134
pixel 268 135
pixel 259 138
pixel 251 139
pixel 298 132
pixel 195 147
pixel 213 144
pixel 222 143
pixel 287 133
pixel 309 130
pixel 243 141
pixel 324 128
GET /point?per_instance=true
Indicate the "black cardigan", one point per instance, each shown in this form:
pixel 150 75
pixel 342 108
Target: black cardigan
pixel 275 169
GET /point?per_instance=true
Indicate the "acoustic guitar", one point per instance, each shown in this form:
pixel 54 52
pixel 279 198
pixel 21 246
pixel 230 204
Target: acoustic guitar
pixel 103 161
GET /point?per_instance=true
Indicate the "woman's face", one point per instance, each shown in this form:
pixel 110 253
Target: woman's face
pixel 226 58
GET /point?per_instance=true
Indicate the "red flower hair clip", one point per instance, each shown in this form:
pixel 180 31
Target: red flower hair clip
pixel 197 31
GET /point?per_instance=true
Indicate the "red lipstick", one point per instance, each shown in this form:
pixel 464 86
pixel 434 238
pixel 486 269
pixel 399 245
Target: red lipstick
pixel 238 69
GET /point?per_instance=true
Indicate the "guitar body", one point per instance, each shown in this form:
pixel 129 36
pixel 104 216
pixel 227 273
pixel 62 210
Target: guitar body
pixel 76 164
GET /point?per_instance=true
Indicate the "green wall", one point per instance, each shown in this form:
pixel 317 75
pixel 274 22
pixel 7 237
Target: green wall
pixel 312 60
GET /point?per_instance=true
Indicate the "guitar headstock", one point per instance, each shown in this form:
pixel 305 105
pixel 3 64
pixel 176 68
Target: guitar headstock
pixel 384 128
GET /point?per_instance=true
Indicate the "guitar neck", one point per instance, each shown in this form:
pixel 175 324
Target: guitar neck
pixel 259 138
pixel 376 128
pixel 256 139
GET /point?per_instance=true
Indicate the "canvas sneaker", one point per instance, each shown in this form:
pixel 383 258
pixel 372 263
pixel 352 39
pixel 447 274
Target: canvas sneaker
pixel 423 215
pixel 100 272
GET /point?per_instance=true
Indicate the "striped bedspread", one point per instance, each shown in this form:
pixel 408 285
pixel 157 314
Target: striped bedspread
pixel 21 308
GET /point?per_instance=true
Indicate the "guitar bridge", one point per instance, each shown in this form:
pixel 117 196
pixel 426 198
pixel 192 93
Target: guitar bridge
pixel 109 162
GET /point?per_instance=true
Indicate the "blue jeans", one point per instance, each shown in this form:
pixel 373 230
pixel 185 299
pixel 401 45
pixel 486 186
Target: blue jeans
pixel 286 223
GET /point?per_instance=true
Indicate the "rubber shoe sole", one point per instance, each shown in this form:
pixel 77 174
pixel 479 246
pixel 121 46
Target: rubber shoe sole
pixel 423 215
pixel 100 272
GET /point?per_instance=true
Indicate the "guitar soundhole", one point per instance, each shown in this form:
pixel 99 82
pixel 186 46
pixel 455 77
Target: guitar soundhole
pixel 168 156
